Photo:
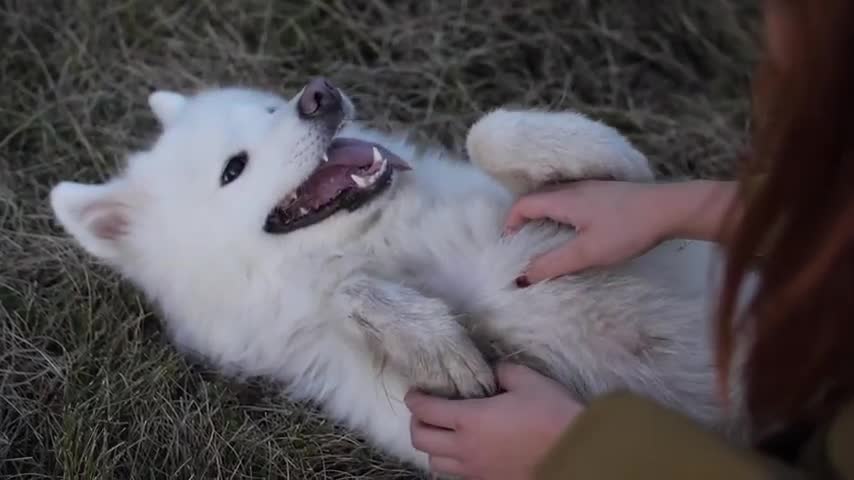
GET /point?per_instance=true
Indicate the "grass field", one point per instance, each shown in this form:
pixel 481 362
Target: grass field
pixel 89 387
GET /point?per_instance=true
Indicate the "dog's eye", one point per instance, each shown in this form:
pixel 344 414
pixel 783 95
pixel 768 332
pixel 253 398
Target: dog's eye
pixel 271 109
pixel 234 167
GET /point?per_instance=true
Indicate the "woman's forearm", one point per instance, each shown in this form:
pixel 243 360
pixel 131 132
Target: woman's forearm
pixel 694 209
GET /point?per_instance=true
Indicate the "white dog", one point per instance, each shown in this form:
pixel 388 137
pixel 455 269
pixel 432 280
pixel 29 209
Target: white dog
pixel 279 239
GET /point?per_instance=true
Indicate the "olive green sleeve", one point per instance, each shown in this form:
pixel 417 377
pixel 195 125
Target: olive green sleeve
pixel 621 436
pixel 840 443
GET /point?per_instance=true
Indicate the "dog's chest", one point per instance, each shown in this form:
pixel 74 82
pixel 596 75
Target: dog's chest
pixel 454 251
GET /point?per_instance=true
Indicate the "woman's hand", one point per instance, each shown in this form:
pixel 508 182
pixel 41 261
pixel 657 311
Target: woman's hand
pixel 498 438
pixel 617 221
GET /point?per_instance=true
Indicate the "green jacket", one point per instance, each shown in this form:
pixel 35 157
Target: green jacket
pixel 621 436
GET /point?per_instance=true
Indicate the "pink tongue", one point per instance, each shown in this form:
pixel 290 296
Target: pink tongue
pixel 359 153
pixel 346 157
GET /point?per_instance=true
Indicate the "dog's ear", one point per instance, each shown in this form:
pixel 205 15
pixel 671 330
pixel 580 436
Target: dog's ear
pixel 166 105
pixel 99 217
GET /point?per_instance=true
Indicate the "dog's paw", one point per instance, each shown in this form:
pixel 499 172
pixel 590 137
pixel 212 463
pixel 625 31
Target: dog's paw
pixel 454 368
pixel 526 150
pixel 419 336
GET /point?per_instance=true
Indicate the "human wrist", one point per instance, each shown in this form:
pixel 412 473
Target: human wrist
pixel 693 209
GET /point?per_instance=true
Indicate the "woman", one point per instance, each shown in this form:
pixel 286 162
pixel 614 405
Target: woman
pixel 791 217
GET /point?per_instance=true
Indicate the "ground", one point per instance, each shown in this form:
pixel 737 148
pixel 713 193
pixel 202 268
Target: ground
pixel 89 387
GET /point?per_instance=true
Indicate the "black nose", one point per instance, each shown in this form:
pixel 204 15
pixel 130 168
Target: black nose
pixel 320 99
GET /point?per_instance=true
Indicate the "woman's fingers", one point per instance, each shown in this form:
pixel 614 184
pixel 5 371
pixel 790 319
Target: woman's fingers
pixel 571 257
pixel 433 440
pixel 447 466
pixel 552 205
pixel 435 411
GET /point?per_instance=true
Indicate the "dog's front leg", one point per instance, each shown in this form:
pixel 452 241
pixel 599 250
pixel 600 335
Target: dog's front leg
pixel 526 150
pixel 418 335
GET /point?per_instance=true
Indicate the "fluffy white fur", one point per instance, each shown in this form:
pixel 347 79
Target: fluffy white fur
pixel 415 288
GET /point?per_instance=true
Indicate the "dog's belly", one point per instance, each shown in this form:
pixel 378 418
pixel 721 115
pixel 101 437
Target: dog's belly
pixel 643 325
pixel 457 251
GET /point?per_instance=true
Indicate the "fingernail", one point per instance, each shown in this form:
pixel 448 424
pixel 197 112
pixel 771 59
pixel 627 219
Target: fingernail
pixel 522 281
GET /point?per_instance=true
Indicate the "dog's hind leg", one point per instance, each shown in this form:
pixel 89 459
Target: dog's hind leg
pixel 418 335
pixel 526 150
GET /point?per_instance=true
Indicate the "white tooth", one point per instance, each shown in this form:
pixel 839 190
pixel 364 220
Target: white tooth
pixel 361 182
pixel 325 158
pixel 377 156
pixel 373 178
pixel 303 211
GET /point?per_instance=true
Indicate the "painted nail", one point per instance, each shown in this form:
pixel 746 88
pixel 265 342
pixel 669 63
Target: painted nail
pixel 522 282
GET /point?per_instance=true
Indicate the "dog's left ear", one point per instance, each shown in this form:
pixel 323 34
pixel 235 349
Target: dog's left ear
pixel 99 217
pixel 166 105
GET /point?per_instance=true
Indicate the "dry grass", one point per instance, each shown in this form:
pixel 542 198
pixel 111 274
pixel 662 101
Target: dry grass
pixel 88 386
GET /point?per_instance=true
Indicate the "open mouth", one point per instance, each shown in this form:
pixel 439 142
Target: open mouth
pixel 351 173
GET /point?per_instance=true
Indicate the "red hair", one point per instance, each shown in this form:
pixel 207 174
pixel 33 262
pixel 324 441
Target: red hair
pixel 799 223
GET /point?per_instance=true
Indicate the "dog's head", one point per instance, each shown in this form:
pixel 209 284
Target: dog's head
pixel 233 173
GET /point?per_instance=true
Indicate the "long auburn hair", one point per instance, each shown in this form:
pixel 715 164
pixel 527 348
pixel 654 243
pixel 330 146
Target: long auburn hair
pixel 797 229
